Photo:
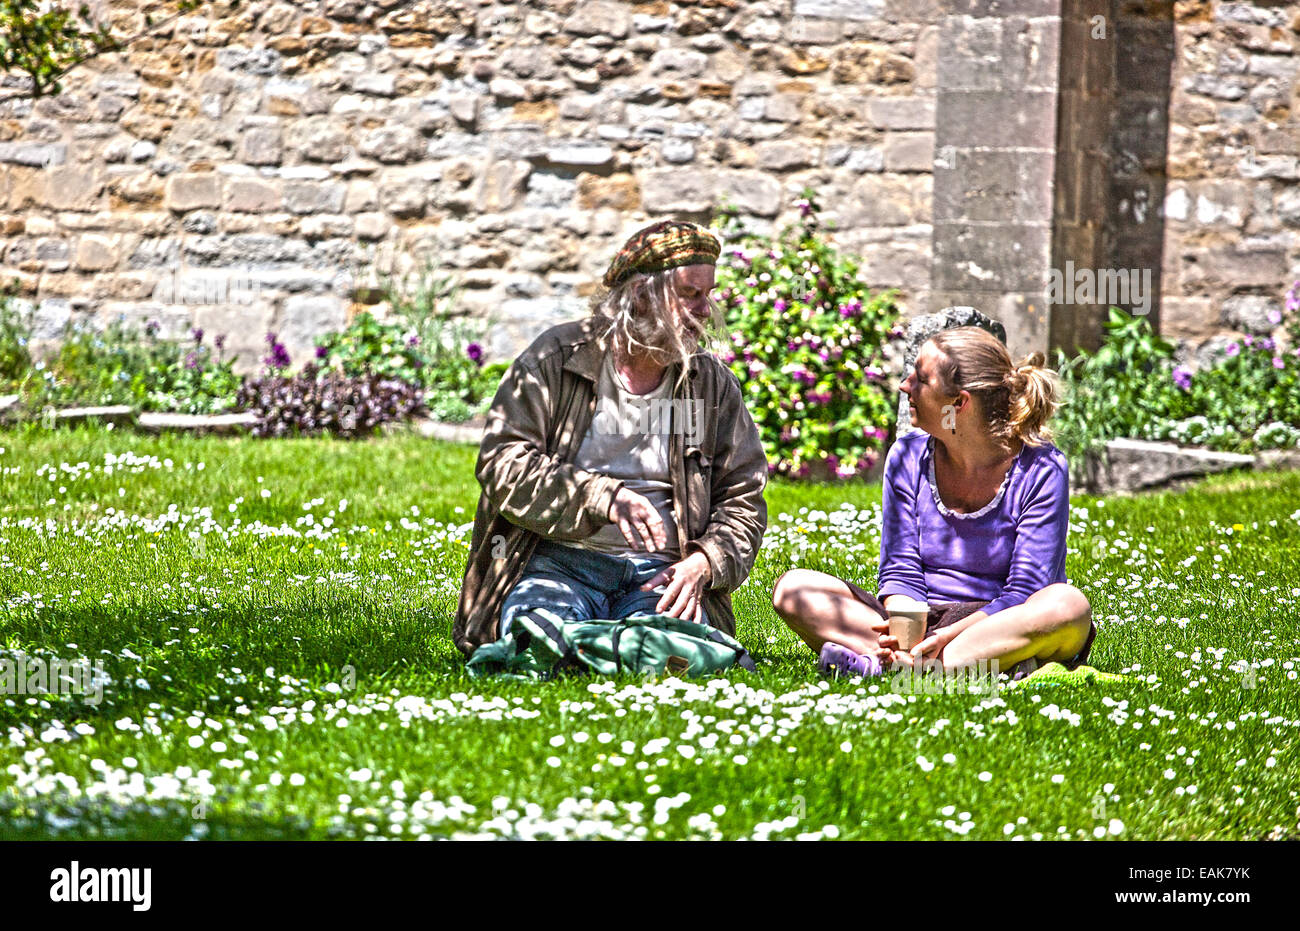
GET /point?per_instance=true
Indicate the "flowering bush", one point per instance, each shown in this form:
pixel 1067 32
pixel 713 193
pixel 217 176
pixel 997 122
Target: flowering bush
pixel 1246 398
pixel 806 339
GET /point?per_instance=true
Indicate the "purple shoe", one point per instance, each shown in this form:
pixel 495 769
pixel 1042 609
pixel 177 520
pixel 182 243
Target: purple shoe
pixel 837 661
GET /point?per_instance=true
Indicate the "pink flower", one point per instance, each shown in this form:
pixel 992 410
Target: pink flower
pixel 1232 349
pixel 1278 363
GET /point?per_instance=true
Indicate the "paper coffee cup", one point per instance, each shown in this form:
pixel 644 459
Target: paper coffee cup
pixel 907 622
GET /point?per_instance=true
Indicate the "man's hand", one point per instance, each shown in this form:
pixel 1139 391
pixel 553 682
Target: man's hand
pixel 641 524
pixel 686 583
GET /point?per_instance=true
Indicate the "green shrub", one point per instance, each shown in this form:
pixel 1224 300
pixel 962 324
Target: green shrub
pixel 806 340
pixel 15 334
pixel 118 366
pixel 1121 390
pixel 1246 399
pixel 422 343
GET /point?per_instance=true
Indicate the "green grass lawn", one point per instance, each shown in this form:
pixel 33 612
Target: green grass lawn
pixel 273 620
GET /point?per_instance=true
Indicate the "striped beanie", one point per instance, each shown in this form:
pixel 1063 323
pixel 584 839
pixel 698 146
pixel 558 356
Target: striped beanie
pixel 667 244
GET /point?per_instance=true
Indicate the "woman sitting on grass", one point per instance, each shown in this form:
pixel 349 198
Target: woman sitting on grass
pixel 976 510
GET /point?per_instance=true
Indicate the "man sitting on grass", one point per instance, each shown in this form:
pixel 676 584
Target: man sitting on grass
pixel 621 473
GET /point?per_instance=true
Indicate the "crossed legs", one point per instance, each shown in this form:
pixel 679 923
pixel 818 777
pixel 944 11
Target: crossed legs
pixel 1051 625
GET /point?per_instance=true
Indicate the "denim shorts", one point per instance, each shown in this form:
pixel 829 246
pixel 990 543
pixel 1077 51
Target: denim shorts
pixel 582 584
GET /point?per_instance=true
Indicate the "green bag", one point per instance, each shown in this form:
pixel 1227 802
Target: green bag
pixel 541 644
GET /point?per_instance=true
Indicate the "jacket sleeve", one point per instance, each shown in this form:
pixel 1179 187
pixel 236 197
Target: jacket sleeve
pixel 738 512
pixel 1038 556
pixel 531 489
pixel 901 569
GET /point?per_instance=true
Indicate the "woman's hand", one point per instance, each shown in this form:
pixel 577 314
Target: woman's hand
pixel 686 580
pixel 932 646
pixel 641 524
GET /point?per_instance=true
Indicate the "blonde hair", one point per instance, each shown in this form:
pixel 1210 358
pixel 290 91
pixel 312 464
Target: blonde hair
pixel 1017 400
pixel 641 308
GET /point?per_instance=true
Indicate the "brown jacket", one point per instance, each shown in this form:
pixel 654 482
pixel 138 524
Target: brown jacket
pixel 537 422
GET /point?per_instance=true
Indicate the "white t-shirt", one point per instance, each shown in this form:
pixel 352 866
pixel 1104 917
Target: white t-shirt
pixel 629 440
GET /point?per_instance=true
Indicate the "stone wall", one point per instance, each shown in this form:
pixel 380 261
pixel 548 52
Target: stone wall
pixel 237 171
pixel 1232 206
pixel 241 169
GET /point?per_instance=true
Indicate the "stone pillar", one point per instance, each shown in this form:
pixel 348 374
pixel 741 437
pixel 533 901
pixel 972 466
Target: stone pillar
pixel 1082 170
pixel 995 162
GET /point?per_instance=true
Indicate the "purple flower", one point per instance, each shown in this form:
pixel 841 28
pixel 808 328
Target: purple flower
pixel 279 357
pixel 219 341
pixel 779 306
pixel 197 333
pixel 1232 349
pixel 192 360
pixel 1248 340
pixel 1278 362
pixel 151 327
pixel 475 352
pixel 270 339
pixel 1266 343
pixel 415 341
pixel 1183 377
pixel 790 345
pixel 322 352
pixel 1275 317
pixel 805 208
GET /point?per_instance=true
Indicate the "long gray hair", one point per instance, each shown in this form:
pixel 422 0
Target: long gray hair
pixel 641 308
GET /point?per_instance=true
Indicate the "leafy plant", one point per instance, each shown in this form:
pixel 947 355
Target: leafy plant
pixel 316 401
pixel 806 337
pixel 423 343
pixel 1247 398
pixel 15 334
pixel 118 366
pixel 1121 390
pixel 46 40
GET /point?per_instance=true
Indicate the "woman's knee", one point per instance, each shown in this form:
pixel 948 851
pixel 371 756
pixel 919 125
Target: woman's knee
pixel 788 591
pixel 1070 606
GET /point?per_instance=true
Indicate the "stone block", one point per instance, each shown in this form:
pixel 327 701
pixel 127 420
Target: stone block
pixel 901 112
pixel 95 253
pixel 599 18
pixel 1251 313
pixel 314 197
pixel 253 195
pixel 909 151
pixel 786 155
pixel 192 191
pixel 1133 465
pixel 259 145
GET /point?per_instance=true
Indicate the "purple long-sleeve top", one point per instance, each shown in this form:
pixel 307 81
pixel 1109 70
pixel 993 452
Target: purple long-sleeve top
pixel 1002 553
